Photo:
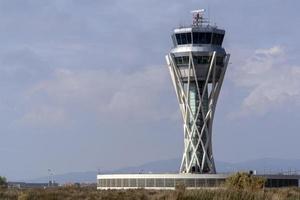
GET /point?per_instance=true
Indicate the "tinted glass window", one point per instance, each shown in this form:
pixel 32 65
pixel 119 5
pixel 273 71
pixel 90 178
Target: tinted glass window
pixel 183 38
pixel 196 38
pixel 190 183
pixel 160 183
pixel 211 182
pixel 170 183
pixel 149 182
pixel 218 39
pixel 112 182
pixel 178 60
pixel 220 61
pixel 208 38
pixel 141 183
pixel 214 41
pixel 183 60
pixel 201 38
pixel 132 183
pixel 189 38
pixel 221 38
pixel 118 182
pixel 125 182
pixel 205 38
pixel 178 38
pixel 200 183
pixel 202 59
pixel 179 182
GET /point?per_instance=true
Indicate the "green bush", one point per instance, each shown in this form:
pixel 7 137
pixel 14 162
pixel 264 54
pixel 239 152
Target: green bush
pixel 245 181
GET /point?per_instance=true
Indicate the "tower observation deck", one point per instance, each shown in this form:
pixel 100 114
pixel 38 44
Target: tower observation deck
pixel 197 65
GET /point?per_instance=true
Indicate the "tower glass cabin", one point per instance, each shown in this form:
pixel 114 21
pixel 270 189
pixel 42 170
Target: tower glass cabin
pixel 197 65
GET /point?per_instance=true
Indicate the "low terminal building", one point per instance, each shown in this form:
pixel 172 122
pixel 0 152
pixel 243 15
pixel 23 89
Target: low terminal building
pixel 24 185
pixel 190 181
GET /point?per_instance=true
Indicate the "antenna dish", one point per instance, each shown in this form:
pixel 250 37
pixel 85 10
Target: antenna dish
pixel 200 11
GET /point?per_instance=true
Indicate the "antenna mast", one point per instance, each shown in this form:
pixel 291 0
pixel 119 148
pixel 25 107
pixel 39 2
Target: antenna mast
pixel 198 17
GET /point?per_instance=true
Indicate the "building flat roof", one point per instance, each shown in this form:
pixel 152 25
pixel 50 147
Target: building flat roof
pixel 200 176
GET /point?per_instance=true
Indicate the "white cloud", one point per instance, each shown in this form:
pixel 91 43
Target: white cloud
pixel 44 116
pixel 113 95
pixel 272 82
pixel 273 51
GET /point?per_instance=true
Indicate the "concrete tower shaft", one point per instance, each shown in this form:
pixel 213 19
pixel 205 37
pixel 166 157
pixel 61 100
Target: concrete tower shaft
pixel 197 65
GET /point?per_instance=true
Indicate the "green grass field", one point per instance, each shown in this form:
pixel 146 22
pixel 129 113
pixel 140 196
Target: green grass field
pixel 73 193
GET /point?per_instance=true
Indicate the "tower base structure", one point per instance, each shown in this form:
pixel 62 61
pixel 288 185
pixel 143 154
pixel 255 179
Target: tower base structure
pixel 190 181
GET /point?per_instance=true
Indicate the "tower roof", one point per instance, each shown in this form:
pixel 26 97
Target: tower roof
pixel 200 24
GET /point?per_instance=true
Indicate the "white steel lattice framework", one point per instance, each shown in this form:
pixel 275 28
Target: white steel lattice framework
pixel 197 99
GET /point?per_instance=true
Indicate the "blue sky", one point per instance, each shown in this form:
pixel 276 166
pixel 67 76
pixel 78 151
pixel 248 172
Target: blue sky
pixel 84 84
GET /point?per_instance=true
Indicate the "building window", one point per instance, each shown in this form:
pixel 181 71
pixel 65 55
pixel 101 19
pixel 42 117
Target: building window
pixel 195 38
pixel 125 183
pixel 178 38
pixel 118 182
pixel 217 39
pixel 200 183
pixel 183 38
pixel 170 183
pixel 182 60
pixel 133 183
pixel 112 183
pixel 104 183
pixel 202 37
pixel 220 61
pixel 211 182
pixel 179 182
pixel 160 183
pixel 189 38
pixel 149 182
pixel 141 183
pixel 107 182
pixel 203 60
pixel 190 182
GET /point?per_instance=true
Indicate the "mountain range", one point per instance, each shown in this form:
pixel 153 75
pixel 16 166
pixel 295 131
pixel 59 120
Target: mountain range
pixel 264 165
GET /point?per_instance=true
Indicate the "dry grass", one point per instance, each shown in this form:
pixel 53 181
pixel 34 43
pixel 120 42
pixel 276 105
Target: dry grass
pixel 89 193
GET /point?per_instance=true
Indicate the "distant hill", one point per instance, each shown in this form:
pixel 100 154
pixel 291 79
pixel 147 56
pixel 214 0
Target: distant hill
pixel 265 165
pixel 171 166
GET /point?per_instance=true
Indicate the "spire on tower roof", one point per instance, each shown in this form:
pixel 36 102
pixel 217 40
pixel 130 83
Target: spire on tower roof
pixel 198 17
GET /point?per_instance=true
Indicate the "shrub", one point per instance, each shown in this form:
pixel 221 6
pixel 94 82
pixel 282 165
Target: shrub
pixel 179 191
pixel 3 182
pixel 245 181
pixel 90 193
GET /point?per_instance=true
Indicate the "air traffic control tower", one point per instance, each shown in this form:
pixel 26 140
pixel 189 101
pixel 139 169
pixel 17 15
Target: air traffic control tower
pixel 197 65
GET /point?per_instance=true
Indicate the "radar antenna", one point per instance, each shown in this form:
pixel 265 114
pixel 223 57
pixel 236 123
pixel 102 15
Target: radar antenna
pixel 198 17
